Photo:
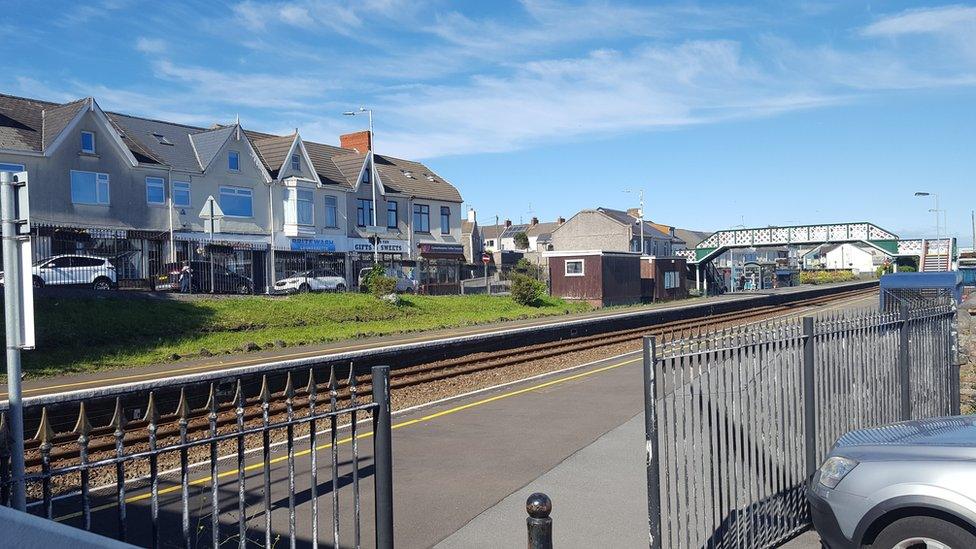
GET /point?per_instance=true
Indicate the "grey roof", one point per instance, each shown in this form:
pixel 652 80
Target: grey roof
pixel 208 143
pixel 179 155
pixel 691 238
pixel 272 149
pixel 422 182
pixel 650 231
pixel 20 123
pixel 55 119
pixel 321 156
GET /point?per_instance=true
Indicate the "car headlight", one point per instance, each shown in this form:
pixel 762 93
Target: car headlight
pixel 835 469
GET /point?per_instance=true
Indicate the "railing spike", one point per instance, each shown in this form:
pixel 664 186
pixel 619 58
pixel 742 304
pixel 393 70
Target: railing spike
pixel 239 395
pixel 182 407
pixel 265 394
pixel 332 377
pixel 212 404
pixel 44 431
pixel 152 411
pixel 312 386
pixel 351 382
pixel 289 388
pixel 118 416
pixel 82 425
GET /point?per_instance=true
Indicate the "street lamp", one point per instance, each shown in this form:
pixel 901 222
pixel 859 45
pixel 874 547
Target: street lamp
pixel 372 177
pixel 936 210
pixel 640 215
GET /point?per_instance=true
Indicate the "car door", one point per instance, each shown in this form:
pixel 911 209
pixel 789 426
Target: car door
pixel 83 269
pixel 57 271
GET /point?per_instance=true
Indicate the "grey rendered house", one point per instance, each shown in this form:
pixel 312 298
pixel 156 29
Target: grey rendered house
pixel 131 189
pixel 609 230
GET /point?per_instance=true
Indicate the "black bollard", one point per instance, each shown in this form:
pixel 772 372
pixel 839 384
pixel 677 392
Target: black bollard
pixel 539 524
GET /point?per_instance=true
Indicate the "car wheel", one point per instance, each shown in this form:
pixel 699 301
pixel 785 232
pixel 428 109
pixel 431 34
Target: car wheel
pixel 244 289
pixel 102 283
pixel 340 287
pixel 304 288
pixel 923 533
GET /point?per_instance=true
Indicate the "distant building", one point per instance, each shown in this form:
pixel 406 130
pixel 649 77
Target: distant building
pixel 502 237
pixel 843 256
pixel 610 230
pixel 471 238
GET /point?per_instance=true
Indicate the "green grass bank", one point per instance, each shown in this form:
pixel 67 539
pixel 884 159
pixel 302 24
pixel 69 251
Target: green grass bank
pixel 86 334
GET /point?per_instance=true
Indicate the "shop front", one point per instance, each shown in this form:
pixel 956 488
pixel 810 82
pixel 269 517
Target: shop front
pixel 228 263
pixel 299 255
pixel 439 268
pixel 390 252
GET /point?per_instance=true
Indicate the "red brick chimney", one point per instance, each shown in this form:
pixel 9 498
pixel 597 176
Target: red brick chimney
pixel 361 141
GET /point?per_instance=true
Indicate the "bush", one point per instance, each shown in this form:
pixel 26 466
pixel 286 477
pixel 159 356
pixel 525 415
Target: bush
pixel 907 269
pixel 825 277
pixel 376 270
pixel 526 267
pixel 527 290
pixel 381 285
pixel 521 241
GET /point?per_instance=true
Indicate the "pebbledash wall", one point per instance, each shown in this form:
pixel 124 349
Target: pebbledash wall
pixel 136 162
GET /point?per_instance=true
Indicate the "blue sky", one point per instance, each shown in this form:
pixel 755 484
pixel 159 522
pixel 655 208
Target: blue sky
pixel 761 112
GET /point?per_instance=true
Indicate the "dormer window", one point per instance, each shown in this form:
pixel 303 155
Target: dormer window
pixel 408 175
pixel 296 162
pixel 162 139
pixel 88 142
pixel 234 161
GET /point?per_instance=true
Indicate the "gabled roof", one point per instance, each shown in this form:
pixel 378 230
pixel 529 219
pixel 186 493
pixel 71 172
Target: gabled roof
pixel 400 176
pixel 626 219
pixel 321 156
pixel 55 119
pixel 208 143
pixel 180 155
pixel 272 149
pixel 21 122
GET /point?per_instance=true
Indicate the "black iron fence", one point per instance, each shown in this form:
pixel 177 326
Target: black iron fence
pixel 737 420
pixel 192 464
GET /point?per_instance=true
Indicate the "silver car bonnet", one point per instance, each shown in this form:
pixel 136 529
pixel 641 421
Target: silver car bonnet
pixel 935 438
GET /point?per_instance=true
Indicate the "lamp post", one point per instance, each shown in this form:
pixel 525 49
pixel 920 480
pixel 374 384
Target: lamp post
pixel 372 176
pixel 936 210
pixel 640 215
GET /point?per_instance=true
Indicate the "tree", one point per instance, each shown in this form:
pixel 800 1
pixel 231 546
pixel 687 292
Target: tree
pixel 521 241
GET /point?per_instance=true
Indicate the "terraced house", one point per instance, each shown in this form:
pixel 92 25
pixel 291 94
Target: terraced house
pixel 132 190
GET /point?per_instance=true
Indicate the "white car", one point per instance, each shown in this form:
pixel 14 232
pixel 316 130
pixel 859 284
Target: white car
pixel 404 283
pixel 74 270
pixel 316 280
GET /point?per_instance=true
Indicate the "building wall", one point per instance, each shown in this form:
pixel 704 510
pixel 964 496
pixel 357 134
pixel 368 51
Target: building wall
pixel 251 176
pixel 588 287
pixel 848 256
pixel 318 230
pixel 654 269
pixel 621 279
pixel 591 230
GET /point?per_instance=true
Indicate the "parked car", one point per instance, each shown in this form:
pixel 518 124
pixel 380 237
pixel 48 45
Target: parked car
pixel 73 270
pixel 315 280
pixel 224 281
pixel 405 283
pixel 900 486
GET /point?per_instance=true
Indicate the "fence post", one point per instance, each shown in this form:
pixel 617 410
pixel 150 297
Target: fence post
pixel 809 396
pixel 538 523
pixel 383 457
pixel 650 431
pixel 904 370
pixel 954 398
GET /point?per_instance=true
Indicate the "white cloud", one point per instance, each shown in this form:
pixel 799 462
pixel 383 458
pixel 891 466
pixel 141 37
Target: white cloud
pixel 150 45
pixel 943 19
pixel 268 91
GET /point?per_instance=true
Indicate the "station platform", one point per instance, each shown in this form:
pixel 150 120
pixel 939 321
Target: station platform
pixel 84 381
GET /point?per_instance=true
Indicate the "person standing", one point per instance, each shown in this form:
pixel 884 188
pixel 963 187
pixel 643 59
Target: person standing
pixel 186 278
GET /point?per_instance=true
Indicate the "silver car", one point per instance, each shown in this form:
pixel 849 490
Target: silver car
pixel 901 486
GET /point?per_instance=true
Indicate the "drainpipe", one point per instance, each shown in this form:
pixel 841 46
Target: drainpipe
pixel 172 244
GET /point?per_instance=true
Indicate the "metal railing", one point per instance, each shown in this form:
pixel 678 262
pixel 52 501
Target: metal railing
pixel 131 479
pixel 737 420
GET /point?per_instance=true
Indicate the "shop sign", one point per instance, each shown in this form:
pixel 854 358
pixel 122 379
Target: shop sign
pixel 312 245
pixel 385 246
pixel 107 233
pixel 441 249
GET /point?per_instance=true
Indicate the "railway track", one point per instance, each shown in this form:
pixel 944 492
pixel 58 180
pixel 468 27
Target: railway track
pixel 102 439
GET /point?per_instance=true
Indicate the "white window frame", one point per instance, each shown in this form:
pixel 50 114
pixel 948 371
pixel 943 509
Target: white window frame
pixel 178 186
pixel 582 264
pixel 237 191
pixel 231 154
pixel 12 168
pixel 93 145
pixel 671 280
pixel 159 183
pixel 99 179
pixel 311 204
pixel 335 211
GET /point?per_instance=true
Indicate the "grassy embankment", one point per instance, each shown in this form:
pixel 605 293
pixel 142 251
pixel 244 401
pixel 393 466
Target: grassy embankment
pixel 79 335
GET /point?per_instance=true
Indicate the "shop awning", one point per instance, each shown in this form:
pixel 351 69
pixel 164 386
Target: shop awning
pixel 441 251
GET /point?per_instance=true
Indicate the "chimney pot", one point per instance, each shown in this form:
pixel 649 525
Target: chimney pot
pixel 361 141
pixel 472 215
pixel 535 220
pixel 561 220
pixel 508 222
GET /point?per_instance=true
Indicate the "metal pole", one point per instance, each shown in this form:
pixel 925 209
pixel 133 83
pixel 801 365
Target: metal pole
pixel 12 298
pixel 272 243
pixel 809 396
pixel 487 285
pixel 383 457
pixel 904 370
pixel 372 177
pixel 538 523
pixel 213 227
pixel 650 431
pixel 641 218
pixel 972 214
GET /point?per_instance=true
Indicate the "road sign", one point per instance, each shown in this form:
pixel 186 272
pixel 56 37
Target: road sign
pixel 211 213
pixel 486 258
